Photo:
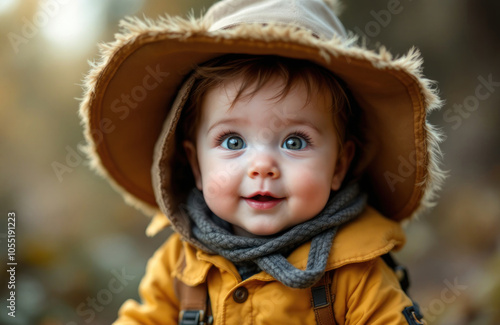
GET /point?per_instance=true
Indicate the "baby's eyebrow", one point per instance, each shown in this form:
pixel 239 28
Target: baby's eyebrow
pixel 229 120
pixel 292 121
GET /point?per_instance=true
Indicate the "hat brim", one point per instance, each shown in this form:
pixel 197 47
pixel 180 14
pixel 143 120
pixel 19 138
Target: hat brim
pixel 130 93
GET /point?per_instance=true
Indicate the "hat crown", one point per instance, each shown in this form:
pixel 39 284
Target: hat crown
pixel 317 16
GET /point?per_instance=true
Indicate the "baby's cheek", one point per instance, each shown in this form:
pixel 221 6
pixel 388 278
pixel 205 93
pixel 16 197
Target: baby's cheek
pixel 213 187
pixel 217 206
pixel 219 178
pixel 313 187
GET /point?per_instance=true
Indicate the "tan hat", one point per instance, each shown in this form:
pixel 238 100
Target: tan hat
pixel 130 93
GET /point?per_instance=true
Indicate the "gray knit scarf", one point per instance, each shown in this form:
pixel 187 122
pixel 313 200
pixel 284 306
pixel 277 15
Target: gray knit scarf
pixel 269 252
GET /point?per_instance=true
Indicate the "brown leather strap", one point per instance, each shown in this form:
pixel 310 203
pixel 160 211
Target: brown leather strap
pixel 192 298
pixel 322 299
pixel 194 302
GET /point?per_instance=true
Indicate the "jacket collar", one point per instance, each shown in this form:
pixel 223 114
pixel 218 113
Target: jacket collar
pixel 363 239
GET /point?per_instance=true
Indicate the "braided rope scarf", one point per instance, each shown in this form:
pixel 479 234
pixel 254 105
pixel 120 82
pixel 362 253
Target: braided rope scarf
pixel 269 252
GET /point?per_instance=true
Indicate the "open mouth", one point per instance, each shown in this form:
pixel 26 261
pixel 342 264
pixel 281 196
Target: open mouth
pixel 263 198
pixel 263 202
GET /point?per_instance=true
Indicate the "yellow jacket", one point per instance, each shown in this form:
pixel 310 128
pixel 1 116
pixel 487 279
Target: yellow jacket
pixel 366 289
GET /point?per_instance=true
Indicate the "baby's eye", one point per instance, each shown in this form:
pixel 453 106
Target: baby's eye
pixel 233 143
pixel 294 143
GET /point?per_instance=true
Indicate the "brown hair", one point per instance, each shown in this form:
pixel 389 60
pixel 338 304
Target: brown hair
pixel 256 71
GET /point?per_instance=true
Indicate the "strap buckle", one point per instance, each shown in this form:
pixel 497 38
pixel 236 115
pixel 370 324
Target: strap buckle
pixel 322 299
pixel 194 317
pixel 413 315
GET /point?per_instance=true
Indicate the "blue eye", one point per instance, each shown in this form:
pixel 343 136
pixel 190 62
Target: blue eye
pixel 294 143
pixel 233 143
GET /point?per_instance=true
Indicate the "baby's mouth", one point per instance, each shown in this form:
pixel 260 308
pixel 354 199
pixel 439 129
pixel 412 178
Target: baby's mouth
pixel 263 198
pixel 263 202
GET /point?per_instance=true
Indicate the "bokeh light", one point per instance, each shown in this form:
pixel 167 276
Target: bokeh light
pixel 72 25
pixel 6 6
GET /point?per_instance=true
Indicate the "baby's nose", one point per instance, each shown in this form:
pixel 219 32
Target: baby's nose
pixel 264 166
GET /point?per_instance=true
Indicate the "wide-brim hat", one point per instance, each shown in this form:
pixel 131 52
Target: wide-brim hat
pixel 134 95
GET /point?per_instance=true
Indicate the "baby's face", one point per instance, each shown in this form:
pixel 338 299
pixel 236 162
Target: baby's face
pixel 265 165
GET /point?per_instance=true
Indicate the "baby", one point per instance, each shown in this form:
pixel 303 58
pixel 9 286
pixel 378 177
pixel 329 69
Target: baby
pixel 274 136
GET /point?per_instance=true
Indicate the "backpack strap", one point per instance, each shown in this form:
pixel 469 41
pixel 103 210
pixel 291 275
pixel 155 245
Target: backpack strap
pixel 412 313
pixel 195 304
pixel 194 301
pixel 400 271
pixel 323 296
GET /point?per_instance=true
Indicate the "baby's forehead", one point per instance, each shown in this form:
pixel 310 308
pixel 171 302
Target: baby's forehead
pixel 275 89
pixel 271 100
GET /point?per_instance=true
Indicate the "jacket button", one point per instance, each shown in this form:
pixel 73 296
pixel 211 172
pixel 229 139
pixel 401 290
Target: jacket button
pixel 240 295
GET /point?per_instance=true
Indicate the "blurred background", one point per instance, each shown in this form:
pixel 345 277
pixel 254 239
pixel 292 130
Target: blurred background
pixel 81 251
